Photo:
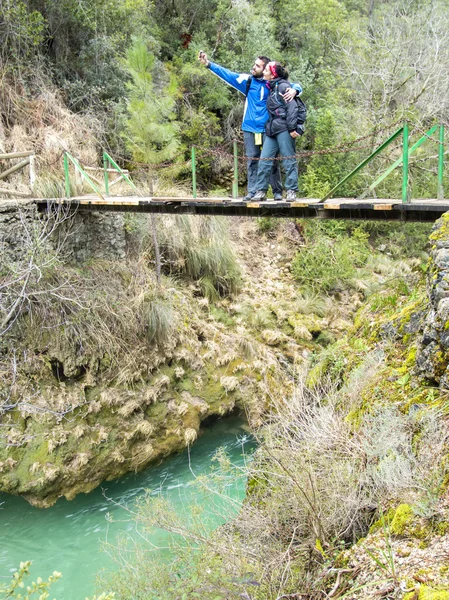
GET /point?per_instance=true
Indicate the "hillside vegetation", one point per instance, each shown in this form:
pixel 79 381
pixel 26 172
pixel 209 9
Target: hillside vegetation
pixel 124 76
pixel 347 493
pixel 311 329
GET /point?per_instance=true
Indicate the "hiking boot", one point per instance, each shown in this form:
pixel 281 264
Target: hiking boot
pixel 260 196
pixel 278 197
pixel 291 195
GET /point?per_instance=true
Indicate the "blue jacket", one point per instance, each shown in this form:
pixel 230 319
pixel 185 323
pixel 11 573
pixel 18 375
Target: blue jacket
pixel 256 113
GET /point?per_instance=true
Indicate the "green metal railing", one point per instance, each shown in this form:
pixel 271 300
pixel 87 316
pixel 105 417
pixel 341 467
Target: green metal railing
pixel 440 194
pixel 109 161
pixel 68 188
pixel 407 151
pixel 404 160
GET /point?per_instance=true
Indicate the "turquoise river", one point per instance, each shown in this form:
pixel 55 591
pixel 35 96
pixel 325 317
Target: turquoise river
pixel 70 536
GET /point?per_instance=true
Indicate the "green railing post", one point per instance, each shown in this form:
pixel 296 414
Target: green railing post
pixel 392 167
pixel 405 197
pixel 441 163
pixel 235 181
pixel 106 174
pixel 67 175
pixel 193 172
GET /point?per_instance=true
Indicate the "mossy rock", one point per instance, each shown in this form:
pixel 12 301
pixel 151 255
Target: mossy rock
pixel 428 593
pixel 402 520
pixel 441 231
pixel 406 523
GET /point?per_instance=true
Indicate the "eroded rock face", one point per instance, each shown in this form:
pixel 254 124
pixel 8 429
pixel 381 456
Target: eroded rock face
pixel 432 360
pixel 76 423
pixel 67 437
pixel 16 217
pixel 96 235
pixel 83 409
pixel 84 236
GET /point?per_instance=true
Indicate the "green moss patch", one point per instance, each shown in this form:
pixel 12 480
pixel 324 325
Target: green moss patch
pixel 427 593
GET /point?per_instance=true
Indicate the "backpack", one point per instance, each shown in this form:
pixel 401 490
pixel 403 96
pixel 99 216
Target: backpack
pixel 302 114
pixel 302 111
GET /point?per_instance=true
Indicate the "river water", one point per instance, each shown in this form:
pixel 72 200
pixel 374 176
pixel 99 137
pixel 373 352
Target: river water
pixel 69 536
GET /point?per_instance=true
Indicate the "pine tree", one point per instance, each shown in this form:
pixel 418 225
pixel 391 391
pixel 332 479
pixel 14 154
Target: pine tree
pixel 151 131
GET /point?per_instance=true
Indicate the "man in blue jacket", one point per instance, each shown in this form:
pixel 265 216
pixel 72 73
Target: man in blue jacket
pixel 255 115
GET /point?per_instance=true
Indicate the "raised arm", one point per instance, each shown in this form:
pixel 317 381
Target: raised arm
pixel 235 80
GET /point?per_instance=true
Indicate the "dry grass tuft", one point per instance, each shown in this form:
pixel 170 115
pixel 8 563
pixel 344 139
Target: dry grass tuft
pixel 182 408
pixel 94 407
pixel 112 397
pixel 145 428
pixel 50 472
pixel 179 372
pixel 229 383
pixel 226 408
pixel 80 460
pixel 190 436
pixel 79 431
pixel 35 468
pixel 50 129
pixel 142 453
pixel 198 403
pixel 129 408
pixel 226 358
pixel 274 337
pixel 8 464
pixel 117 457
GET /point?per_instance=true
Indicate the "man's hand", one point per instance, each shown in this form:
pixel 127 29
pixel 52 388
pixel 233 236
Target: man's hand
pixel 294 134
pixel 202 57
pixel 289 94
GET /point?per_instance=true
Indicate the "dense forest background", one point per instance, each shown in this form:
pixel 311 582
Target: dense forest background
pixel 130 67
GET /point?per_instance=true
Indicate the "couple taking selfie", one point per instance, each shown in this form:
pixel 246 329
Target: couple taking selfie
pixel 271 122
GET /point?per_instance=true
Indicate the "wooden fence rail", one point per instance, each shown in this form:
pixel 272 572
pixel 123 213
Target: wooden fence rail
pixel 29 160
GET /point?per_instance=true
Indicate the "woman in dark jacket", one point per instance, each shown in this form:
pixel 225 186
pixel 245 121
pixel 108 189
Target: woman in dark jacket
pixel 280 134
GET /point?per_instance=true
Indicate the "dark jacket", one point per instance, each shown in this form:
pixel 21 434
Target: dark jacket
pixel 283 116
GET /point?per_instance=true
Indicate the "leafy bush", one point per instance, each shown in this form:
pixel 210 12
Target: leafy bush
pixel 16 587
pixel 267 224
pixel 329 265
pixel 347 254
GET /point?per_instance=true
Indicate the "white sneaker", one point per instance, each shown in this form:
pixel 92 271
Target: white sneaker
pixel 260 196
pixel 291 195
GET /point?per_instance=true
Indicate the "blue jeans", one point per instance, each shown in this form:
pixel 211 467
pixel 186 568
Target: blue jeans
pixel 284 144
pixel 252 151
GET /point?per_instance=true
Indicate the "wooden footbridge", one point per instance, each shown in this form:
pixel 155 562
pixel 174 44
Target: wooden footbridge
pixel 342 208
pixel 329 207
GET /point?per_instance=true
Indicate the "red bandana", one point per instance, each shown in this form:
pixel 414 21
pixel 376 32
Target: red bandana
pixel 273 70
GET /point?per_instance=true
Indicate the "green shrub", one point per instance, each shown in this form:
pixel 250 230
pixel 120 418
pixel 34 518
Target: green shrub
pixel 267 224
pixel 398 240
pixel 19 588
pixel 328 265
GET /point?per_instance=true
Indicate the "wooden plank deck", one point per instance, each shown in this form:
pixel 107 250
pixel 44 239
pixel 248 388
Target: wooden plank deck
pixel 337 208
